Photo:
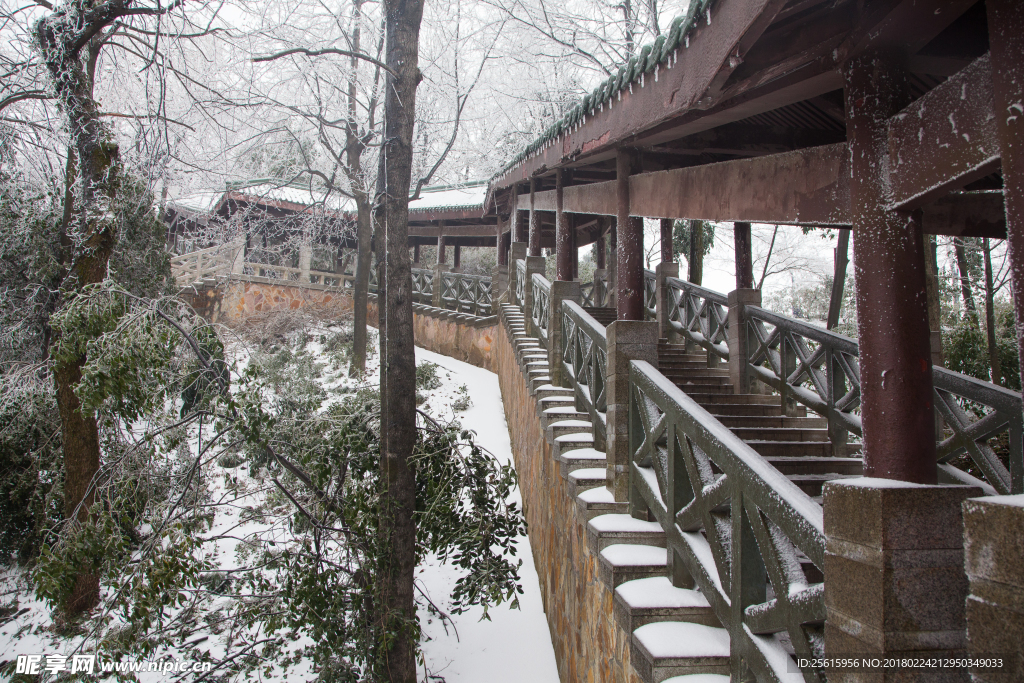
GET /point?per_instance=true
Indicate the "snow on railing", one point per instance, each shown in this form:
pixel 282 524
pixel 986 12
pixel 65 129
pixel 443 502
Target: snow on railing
pixel 585 363
pixel 541 312
pixel 699 315
pixel 213 262
pixel 466 293
pixel 736 523
pixel 422 285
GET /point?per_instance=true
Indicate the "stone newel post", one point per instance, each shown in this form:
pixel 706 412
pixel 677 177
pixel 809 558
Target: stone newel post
pixel 740 338
pixel 662 272
pixel 560 291
pixel 627 340
pixel 438 287
pixel 894 574
pixel 994 559
pixel 499 286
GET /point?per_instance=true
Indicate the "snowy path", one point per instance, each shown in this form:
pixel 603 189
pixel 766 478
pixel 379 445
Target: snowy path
pixel 515 646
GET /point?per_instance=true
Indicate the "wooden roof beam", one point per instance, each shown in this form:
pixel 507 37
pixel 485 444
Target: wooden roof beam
pixel 944 140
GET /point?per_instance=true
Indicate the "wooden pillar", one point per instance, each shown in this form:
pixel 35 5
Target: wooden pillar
pixel 599 251
pixel 666 240
pixel 534 239
pixel 892 316
pixel 457 263
pixel 501 258
pixel 416 253
pixel 744 256
pixel 1006 40
pixel 629 271
pixel 575 248
pixel 563 238
pixel 612 272
pixel 440 249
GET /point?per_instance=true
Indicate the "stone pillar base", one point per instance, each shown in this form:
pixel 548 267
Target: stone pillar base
pixel 894 575
pixel 560 291
pixel 627 340
pixel 994 559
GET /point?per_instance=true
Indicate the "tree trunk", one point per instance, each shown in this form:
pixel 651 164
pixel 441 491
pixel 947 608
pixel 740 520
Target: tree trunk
pixel 60 42
pixel 361 285
pixel 965 279
pixel 398 366
pixel 695 261
pixel 990 316
pixel 835 303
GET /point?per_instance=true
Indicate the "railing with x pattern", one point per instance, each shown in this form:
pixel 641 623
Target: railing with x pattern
pixel 520 290
pixel 466 293
pixel 699 315
pixel 820 369
pixel 422 285
pixel 731 520
pixel 650 295
pixel 541 312
pixel 585 363
pixel 594 294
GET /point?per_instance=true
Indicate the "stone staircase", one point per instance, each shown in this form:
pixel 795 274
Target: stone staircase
pixel 675 635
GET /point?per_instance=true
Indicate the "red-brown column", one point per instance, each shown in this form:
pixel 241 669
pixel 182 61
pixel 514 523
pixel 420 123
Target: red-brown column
pixel 599 249
pixel 534 248
pixel 440 249
pixel 629 267
pixel 1006 40
pixel 666 240
pixel 744 258
pixel 519 225
pixel 892 311
pixel 575 247
pixel 416 253
pixel 457 263
pixel 563 238
pixel 499 242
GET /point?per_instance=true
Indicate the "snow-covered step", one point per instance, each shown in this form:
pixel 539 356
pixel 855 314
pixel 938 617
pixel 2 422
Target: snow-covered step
pixel 560 400
pixel 599 501
pixel 552 391
pixel 564 427
pixel 570 442
pixel 536 382
pixel 551 415
pixel 579 457
pixel 585 479
pixel 667 649
pixel 650 600
pixel 621 562
pixel 606 530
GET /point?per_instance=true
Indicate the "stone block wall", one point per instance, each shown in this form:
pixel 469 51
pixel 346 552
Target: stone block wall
pixel 238 298
pixel 589 645
pixel 464 337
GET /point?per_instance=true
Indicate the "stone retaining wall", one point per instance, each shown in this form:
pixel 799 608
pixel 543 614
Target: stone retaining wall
pixel 238 297
pixel 464 337
pixel 589 645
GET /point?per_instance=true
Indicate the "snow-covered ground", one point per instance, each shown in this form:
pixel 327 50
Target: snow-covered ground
pixel 513 646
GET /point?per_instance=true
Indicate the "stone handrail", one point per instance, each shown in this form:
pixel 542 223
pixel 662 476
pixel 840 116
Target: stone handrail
pixel 820 369
pixel 216 261
pixel 295 275
pixel 699 315
pixel 541 307
pixel 520 288
pixel 422 285
pixel 731 519
pixel 650 295
pixel 585 363
pixel 466 293
pixel 594 294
